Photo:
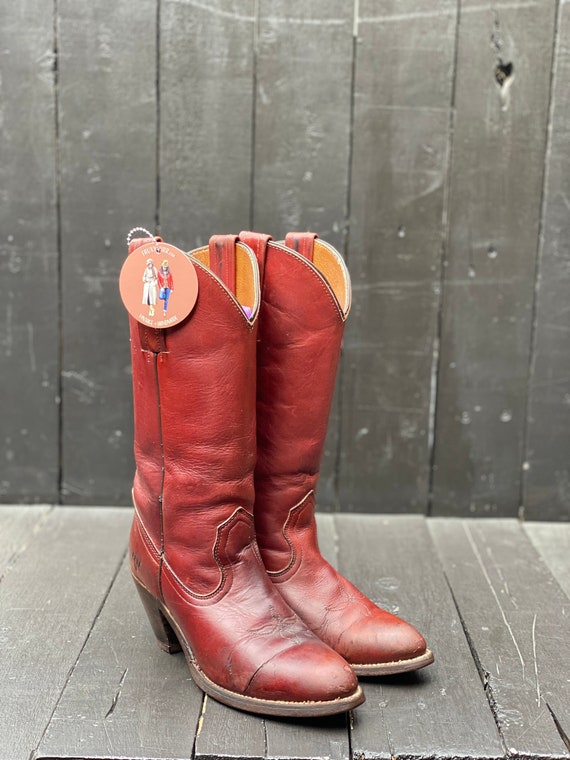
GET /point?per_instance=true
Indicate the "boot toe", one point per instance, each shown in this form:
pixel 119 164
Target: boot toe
pixel 384 646
pixel 307 672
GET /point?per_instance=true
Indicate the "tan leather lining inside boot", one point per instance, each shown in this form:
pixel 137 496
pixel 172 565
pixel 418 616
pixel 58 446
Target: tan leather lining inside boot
pixel 245 274
pixel 245 281
pixel 333 269
pixel 203 255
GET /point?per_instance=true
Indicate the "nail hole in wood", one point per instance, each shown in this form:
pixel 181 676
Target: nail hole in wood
pixel 503 72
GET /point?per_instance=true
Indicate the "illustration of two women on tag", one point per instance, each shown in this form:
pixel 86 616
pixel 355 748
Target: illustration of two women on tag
pixel 157 283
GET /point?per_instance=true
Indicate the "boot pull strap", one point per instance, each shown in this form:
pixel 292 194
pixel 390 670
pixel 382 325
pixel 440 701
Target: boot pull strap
pixel 223 259
pixel 302 242
pixel 151 339
pixel 257 241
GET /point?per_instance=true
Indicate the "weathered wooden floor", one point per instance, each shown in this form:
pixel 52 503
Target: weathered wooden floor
pixel 81 676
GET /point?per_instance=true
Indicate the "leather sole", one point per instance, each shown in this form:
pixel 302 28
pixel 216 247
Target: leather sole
pixel 392 668
pixel 171 639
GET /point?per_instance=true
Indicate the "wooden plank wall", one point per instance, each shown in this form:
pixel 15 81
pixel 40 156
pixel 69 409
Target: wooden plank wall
pixel 107 137
pixel 428 141
pixel 29 263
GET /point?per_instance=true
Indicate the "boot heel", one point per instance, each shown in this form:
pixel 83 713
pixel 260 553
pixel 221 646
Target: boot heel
pixel 165 636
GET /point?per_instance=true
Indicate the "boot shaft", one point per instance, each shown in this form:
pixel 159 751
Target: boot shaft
pixel 194 415
pixel 305 302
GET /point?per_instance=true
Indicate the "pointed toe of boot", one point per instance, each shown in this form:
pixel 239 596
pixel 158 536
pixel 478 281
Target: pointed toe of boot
pixel 312 679
pixel 385 645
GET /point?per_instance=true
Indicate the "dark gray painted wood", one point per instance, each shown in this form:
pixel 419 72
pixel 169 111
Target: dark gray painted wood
pixel 227 733
pixel 547 480
pixel 494 212
pixel 125 697
pixel 327 538
pixel 302 139
pixel 18 527
pixel 552 541
pixel 302 117
pixel 107 95
pixel 318 738
pixel 516 617
pixel 262 106
pixel 206 105
pixel 49 601
pixel 442 710
pixel 402 98
pixel 29 342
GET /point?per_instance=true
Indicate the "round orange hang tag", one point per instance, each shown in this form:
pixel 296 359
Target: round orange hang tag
pixel 158 284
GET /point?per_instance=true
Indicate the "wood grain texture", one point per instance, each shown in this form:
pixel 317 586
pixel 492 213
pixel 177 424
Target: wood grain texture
pixel 302 139
pixel 206 105
pixel 107 95
pixel 125 698
pixel 552 541
pixel 547 479
pixel 402 100
pixel 494 212
pixel 49 601
pixel 18 527
pixel 82 677
pixel 310 739
pixel 440 711
pixel 327 538
pixel 302 117
pixel 428 140
pixel 516 617
pixel 29 340
pixel 228 733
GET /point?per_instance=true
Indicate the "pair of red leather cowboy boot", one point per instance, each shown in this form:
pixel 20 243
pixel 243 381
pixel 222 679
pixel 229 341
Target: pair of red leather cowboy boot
pixel 231 408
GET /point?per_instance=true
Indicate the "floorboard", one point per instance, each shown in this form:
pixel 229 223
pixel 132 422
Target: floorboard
pixel 552 541
pixel 516 617
pixel 18 526
pixel 125 698
pixel 82 678
pixel 227 733
pixel 48 603
pixel 440 711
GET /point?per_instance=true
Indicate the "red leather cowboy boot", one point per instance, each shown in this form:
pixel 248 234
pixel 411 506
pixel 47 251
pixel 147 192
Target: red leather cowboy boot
pixel 194 556
pixel 305 301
